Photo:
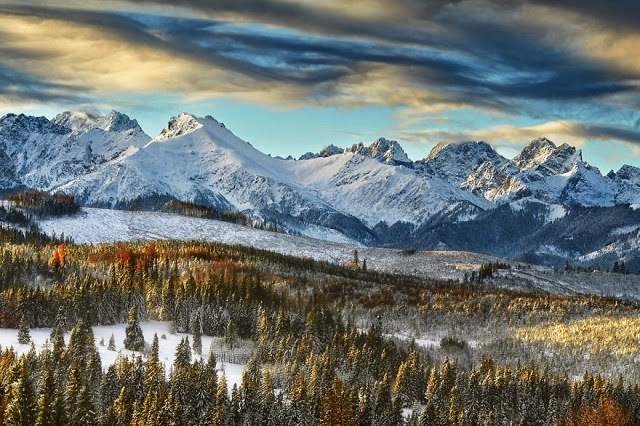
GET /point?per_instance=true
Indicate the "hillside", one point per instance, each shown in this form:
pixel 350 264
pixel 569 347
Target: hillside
pixel 103 225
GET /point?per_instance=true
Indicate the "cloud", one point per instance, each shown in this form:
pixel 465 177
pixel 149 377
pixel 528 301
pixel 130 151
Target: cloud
pixel 571 132
pixel 475 59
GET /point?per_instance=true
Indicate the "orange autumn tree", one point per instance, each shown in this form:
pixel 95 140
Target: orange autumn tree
pixel 59 255
pixel 609 413
pixel 336 408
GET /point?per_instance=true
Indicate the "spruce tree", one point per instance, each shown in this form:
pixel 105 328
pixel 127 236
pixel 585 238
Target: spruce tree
pixel 134 339
pixel 221 416
pixel 112 343
pixel 21 407
pixel 59 328
pixel 183 354
pixel 24 337
pixel 46 405
pixel 230 336
pixel 153 372
pixel 197 335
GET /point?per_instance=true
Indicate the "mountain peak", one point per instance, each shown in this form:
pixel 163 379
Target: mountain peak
pixel 180 125
pixel 546 157
pixel 22 124
pixel 454 162
pixel 467 148
pixel 81 120
pixel 535 153
pixel 117 122
pixel 389 152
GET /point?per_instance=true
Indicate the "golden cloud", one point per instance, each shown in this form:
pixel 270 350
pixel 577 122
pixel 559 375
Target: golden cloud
pixel 90 57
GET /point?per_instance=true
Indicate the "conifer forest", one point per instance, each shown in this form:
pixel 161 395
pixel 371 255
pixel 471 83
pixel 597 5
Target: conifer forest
pixel 330 344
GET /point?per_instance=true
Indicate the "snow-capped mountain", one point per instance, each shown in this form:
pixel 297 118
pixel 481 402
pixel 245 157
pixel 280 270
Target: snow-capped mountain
pixel 544 171
pixel 368 192
pixel 455 162
pixel 46 155
pixel 199 160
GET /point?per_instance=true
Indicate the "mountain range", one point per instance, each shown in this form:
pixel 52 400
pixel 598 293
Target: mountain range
pixel 546 205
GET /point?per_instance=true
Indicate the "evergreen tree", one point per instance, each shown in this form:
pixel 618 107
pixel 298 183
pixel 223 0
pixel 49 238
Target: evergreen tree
pixel 59 328
pixel 46 406
pixel 122 409
pixel 183 354
pixel 197 335
pixel 21 407
pixel 24 337
pixel 134 339
pixel 221 416
pixel 230 336
pixel 112 343
pixel 154 373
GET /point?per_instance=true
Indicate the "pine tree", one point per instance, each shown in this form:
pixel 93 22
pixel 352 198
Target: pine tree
pixel 46 406
pixel 134 339
pixel 24 337
pixel 221 416
pixel 21 408
pixel 183 354
pixel 197 335
pixel 112 343
pixel 336 408
pixel 154 373
pixel 59 328
pixel 122 409
pixel 74 386
pixel 230 336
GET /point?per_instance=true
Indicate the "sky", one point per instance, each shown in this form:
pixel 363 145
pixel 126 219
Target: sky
pixel 293 76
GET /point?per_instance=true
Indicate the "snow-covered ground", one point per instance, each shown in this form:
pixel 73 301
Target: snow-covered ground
pixel 167 344
pixel 103 225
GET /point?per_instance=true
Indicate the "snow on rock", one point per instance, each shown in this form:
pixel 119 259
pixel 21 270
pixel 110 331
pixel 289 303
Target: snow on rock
pixel 494 185
pixel 330 150
pixel 454 163
pixel 180 125
pixel 389 152
pixel 80 120
pixel 543 156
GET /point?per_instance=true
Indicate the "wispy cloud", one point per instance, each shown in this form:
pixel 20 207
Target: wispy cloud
pixel 572 132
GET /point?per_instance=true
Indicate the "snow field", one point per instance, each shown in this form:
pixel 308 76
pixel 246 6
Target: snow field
pixel 166 345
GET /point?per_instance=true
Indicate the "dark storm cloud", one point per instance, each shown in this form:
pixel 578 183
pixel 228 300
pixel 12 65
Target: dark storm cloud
pixel 475 56
pixel 607 132
pixel 19 86
pixel 616 13
pixel 178 37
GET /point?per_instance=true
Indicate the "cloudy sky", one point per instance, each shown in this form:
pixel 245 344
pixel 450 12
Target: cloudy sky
pixel 292 76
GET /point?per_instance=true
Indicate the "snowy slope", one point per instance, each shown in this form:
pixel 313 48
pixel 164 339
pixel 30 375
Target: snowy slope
pixel 103 225
pixel 167 345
